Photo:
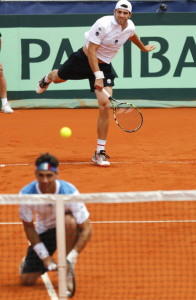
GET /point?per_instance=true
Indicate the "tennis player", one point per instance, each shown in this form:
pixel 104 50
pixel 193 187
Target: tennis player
pixel 5 106
pixel 42 236
pixel 102 42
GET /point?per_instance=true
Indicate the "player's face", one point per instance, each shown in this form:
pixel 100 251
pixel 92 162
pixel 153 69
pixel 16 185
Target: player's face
pixel 46 181
pixel 121 16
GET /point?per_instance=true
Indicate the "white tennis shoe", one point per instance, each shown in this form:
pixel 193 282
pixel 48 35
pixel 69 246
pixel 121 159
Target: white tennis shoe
pixel 42 86
pixel 101 159
pixel 7 109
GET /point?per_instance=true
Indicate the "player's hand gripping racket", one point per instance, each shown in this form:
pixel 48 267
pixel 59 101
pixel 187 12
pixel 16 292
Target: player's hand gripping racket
pixel 126 115
pixel 70 277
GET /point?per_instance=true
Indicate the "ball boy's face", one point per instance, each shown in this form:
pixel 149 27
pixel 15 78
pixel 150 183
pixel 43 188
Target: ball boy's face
pixel 46 180
pixel 121 16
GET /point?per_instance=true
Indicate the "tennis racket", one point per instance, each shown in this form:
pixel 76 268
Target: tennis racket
pixel 126 115
pixel 70 277
pixel 71 282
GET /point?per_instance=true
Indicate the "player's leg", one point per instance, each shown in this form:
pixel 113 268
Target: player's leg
pixel 104 114
pixel 100 157
pixel 30 279
pixel 3 85
pixel 76 67
pixel 3 93
pixel 32 267
pixel 44 83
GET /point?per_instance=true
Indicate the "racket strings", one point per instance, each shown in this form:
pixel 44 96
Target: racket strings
pixel 127 117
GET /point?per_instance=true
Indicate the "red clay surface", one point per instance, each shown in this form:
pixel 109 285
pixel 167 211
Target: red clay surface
pixel 144 261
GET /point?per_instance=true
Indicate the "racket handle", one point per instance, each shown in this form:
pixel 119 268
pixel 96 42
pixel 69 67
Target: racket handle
pixel 106 93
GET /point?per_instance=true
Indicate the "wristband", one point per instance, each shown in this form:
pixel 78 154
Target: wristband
pixel 99 75
pixel 72 256
pixel 41 250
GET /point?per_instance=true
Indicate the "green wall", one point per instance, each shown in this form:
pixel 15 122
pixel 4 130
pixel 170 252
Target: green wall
pixel 33 45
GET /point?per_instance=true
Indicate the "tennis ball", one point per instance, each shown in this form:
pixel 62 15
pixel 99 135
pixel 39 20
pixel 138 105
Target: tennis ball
pixel 65 132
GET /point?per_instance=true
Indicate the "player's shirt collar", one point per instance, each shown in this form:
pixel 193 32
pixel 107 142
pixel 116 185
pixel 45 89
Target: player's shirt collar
pixel 56 191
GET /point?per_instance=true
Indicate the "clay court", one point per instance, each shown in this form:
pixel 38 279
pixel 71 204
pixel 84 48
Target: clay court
pixel 140 261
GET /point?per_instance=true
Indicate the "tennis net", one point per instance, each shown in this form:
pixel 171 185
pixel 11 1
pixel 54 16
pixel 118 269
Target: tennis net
pixel 143 246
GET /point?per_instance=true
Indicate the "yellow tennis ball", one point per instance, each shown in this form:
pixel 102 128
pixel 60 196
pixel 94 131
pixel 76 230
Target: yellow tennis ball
pixel 65 132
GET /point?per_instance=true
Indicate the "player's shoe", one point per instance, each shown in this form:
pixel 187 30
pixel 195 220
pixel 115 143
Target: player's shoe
pixel 42 86
pixel 7 109
pixel 101 159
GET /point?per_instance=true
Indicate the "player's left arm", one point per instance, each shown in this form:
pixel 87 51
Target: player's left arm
pixel 136 40
pixel 92 56
pixel 85 231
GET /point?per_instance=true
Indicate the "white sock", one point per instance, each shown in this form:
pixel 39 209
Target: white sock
pixel 46 79
pixel 4 101
pixel 100 145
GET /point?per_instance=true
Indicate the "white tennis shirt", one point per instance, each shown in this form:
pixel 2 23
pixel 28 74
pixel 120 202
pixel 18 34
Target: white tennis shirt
pixel 107 33
pixel 46 214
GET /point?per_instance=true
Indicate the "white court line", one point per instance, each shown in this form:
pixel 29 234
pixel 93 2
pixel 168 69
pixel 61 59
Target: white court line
pixel 121 222
pixel 144 222
pixel 46 279
pixel 10 223
pixel 48 284
pixel 49 287
pixel 113 162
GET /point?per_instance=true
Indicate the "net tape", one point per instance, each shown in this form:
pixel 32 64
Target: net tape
pixel 124 197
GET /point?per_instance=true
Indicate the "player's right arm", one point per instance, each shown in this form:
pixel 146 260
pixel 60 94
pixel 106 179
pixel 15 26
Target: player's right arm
pixel 37 244
pixel 94 39
pixel 91 53
pixel 31 233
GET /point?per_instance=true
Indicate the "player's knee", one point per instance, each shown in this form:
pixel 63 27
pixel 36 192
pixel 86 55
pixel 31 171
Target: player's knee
pixel 55 77
pixel 70 222
pixel 104 110
pixel 28 280
pixel 107 106
pixel 104 105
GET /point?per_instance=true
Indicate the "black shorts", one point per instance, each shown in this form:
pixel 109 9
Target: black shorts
pixel 32 262
pixel 77 68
